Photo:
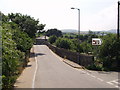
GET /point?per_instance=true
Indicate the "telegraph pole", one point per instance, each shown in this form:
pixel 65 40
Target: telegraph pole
pixel 118 21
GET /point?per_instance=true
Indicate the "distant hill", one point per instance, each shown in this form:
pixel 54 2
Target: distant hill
pixel 86 32
pixel 69 31
pixel 112 31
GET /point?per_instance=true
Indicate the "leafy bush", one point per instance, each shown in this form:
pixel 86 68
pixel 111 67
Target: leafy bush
pixel 76 46
pixel 110 51
pixel 63 43
pixel 17 40
pixel 108 54
pixel 52 39
pixel 96 66
pixel 11 57
pixel 86 47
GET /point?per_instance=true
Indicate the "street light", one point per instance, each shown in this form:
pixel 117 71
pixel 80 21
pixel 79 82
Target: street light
pixel 78 29
pixel 78 21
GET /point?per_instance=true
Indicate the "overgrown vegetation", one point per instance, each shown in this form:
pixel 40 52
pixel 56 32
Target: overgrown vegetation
pixel 63 43
pixel 106 56
pixel 18 35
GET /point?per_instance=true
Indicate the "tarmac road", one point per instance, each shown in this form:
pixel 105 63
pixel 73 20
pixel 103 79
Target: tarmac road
pixel 52 72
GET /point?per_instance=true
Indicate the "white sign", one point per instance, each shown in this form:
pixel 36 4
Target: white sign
pixel 96 41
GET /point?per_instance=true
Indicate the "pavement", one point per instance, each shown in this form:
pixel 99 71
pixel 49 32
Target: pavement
pixel 48 70
pixel 72 64
pixel 25 80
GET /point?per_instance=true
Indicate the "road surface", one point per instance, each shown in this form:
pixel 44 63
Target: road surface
pixel 52 72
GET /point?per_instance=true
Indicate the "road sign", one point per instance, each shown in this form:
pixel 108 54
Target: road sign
pixel 96 41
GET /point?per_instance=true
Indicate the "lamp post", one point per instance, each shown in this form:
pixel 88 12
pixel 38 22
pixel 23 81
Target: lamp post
pixel 78 21
pixel 78 31
pixel 118 20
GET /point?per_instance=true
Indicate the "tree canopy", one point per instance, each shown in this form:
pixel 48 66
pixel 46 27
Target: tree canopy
pixel 55 32
pixel 26 23
pixel 18 34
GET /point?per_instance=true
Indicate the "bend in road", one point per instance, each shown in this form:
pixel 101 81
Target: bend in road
pixel 53 73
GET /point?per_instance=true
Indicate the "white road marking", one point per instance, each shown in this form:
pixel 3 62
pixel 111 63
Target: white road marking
pixel 33 84
pixel 100 79
pixel 92 76
pixel 88 74
pixel 82 70
pixel 113 82
pixel 117 86
pixel 110 83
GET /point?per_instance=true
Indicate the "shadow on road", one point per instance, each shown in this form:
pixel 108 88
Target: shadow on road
pixel 32 55
pixel 39 54
pixel 28 65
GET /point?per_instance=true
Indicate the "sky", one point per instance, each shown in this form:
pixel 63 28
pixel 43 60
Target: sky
pixel 95 15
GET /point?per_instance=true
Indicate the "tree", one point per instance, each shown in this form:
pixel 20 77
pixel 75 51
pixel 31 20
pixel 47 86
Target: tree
pixel 23 41
pixel 90 32
pixel 26 23
pixel 52 39
pixel 55 32
pixel 63 43
pixel 15 45
pixel 86 47
pixel 110 51
pixel 76 46
pixel 90 37
pixel 4 17
pixel 11 57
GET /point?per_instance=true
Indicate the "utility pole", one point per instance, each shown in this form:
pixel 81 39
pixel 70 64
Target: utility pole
pixel 118 21
pixel 118 26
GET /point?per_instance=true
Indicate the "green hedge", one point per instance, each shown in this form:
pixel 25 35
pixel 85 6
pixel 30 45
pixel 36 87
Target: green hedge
pixel 15 45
